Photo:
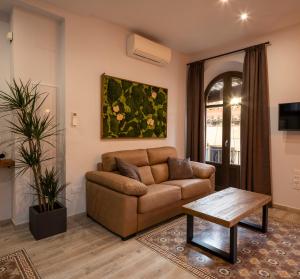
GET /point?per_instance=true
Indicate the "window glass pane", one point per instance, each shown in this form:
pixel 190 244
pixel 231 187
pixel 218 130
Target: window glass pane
pixel 235 123
pixel 215 94
pixel 236 87
pixel 214 130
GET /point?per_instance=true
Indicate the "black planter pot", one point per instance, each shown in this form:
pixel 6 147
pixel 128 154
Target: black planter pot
pixel 45 224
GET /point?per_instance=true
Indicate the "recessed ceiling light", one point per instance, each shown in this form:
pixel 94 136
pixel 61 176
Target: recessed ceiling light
pixel 224 1
pixel 244 16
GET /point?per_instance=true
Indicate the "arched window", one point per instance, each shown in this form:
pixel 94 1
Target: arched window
pixel 223 114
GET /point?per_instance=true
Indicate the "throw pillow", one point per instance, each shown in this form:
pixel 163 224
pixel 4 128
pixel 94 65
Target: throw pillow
pixel 179 169
pixel 128 170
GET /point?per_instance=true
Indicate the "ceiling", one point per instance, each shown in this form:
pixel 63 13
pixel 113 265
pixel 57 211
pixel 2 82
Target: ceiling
pixel 191 25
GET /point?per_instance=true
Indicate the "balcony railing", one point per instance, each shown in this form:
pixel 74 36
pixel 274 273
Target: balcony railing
pixel 214 154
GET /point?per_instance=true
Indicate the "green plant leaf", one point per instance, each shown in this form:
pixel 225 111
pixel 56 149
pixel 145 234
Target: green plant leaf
pixel 136 104
pixel 114 91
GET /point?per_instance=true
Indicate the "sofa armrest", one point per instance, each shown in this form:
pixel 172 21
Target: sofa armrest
pixel 119 183
pixel 202 170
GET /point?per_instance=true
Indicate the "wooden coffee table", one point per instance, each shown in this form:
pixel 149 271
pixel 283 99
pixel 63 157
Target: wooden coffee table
pixel 227 208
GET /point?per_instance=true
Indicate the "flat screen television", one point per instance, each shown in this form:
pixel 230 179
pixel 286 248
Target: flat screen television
pixel 289 117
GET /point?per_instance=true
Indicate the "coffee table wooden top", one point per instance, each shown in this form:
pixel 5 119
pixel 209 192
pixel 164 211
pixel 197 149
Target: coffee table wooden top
pixel 227 207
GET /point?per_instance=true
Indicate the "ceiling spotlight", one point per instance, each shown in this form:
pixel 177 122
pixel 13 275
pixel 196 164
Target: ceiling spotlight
pixel 224 1
pixel 244 16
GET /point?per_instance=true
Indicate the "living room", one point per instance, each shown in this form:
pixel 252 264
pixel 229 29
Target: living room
pixel 69 49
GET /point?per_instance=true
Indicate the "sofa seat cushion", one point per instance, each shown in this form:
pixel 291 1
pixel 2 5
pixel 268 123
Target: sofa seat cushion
pixel 191 187
pixel 158 195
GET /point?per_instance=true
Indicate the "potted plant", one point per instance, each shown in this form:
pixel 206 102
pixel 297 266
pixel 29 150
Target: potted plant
pixel 33 131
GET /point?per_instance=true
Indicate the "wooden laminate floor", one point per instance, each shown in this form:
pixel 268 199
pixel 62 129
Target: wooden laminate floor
pixel 88 250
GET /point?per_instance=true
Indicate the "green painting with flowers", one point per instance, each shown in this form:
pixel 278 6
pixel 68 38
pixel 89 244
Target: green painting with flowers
pixel 133 110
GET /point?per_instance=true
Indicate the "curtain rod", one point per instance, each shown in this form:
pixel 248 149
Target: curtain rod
pixel 227 53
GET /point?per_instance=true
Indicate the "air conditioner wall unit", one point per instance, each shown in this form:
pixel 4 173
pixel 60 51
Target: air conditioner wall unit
pixel 144 49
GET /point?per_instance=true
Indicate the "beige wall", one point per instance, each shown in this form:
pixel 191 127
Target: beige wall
pixel 92 47
pixel 35 51
pixel 283 62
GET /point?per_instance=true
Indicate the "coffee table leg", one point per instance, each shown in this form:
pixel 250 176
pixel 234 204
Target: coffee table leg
pixel 263 227
pixel 230 257
pixel 265 219
pixel 233 244
pixel 190 228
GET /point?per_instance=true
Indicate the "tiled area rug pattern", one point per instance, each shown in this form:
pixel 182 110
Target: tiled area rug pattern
pixel 17 265
pixel 272 255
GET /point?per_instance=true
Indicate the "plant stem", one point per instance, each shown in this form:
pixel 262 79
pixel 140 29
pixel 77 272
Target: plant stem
pixel 39 171
pixel 36 175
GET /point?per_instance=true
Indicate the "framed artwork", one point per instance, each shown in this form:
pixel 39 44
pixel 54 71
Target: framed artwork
pixel 132 109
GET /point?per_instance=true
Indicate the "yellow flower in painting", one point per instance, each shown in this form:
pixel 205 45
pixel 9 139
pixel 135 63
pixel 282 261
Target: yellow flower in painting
pixel 116 108
pixel 150 122
pixel 153 94
pixel 120 116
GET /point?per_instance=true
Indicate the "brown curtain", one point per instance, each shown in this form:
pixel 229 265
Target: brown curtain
pixel 195 112
pixel 255 123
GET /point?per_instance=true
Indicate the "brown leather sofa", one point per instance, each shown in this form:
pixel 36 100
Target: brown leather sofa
pixel 126 206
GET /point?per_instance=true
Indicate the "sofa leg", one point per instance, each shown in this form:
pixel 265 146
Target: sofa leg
pixel 128 237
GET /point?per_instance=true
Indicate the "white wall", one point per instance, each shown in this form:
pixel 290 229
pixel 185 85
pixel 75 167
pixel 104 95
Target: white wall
pixel 6 175
pixel 283 65
pixel 92 47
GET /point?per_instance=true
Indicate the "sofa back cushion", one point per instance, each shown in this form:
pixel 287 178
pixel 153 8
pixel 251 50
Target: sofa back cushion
pixel 161 154
pixel 146 175
pixel 160 172
pixel 137 157
pixel 158 160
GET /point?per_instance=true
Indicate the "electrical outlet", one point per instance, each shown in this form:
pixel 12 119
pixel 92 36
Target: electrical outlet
pixel 296 179
pixel 75 119
pixel 296 182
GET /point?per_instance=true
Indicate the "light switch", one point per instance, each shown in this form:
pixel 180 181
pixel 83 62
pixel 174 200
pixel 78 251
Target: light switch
pixel 75 119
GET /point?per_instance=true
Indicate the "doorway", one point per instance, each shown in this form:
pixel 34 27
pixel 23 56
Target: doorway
pixel 222 128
